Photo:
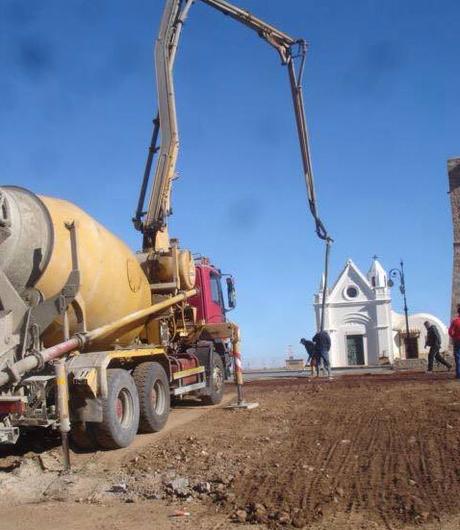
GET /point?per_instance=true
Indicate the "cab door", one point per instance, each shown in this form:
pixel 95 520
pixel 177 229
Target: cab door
pixel 215 300
pixel 199 300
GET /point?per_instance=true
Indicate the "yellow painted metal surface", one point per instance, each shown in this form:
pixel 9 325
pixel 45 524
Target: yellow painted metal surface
pixel 175 265
pixel 90 369
pixel 187 373
pixel 87 377
pixel 220 330
pixel 129 354
pixel 126 322
pixel 112 282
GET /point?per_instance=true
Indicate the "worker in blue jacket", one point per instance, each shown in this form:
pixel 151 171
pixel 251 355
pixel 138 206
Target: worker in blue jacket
pixel 322 342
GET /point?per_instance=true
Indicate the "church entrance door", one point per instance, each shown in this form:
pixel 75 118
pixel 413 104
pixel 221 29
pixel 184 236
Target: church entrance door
pixel 411 347
pixel 355 350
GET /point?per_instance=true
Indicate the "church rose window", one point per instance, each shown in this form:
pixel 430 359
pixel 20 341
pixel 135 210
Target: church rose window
pixel 352 292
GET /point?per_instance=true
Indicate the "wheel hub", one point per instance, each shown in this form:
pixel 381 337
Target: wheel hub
pixel 218 378
pixel 157 397
pixel 124 407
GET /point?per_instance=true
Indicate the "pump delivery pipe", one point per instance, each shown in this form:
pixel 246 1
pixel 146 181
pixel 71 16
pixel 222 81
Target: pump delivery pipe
pixel 31 362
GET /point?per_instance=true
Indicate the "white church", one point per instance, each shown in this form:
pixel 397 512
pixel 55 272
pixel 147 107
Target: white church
pixel 364 329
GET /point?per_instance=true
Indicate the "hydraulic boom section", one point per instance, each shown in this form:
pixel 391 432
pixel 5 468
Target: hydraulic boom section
pixel 292 52
pixel 166 125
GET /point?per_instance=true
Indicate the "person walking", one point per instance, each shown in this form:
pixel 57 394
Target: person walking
pixel 454 333
pixel 433 341
pixel 322 342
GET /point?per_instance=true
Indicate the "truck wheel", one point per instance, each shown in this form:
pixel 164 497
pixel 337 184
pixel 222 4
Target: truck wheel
pixel 216 384
pixel 153 389
pixel 120 411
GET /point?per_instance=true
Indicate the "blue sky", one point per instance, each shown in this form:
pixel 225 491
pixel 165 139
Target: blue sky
pixel 77 98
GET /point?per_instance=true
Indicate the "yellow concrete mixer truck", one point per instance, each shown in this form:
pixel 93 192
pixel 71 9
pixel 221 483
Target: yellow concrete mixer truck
pixel 96 340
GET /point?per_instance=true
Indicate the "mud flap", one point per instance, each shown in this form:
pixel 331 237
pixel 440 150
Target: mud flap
pixel 205 352
pixel 85 409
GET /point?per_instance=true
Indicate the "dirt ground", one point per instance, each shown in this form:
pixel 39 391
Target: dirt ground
pixel 358 452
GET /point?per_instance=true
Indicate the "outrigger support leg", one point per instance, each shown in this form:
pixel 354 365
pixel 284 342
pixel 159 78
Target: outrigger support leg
pixel 238 371
pixel 63 410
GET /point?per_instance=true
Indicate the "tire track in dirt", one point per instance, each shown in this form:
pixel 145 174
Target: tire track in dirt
pixel 388 463
pixel 330 455
pixel 379 468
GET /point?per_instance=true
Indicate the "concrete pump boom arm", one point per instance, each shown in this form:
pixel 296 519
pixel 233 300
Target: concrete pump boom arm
pixel 289 49
pixel 279 40
pixel 166 122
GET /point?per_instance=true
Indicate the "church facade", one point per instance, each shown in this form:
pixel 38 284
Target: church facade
pixel 364 329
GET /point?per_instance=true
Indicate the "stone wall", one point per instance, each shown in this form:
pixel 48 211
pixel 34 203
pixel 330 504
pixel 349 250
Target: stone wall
pixel 453 168
pixel 420 365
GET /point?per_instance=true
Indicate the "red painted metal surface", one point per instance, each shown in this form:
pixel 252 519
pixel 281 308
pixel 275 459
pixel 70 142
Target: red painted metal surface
pixel 185 361
pixel 197 301
pixel 12 407
pixel 59 349
pixel 209 301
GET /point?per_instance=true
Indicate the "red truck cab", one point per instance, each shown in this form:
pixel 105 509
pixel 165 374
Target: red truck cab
pixel 211 307
pixel 209 302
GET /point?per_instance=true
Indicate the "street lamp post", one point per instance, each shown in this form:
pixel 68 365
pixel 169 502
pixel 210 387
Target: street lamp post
pixel 399 273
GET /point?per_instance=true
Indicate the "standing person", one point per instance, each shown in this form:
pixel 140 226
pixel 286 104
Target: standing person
pixel 322 346
pixel 433 341
pixel 454 333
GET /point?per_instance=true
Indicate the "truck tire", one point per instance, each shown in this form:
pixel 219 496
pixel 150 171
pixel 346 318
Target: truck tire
pixel 154 401
pixel 120 411
pixel 216 383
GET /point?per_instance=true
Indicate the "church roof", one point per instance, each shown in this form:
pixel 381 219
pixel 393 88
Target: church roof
pixel 351 276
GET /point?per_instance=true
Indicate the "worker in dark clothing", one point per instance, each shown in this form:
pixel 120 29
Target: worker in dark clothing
pixel 313 361
pixel 322 342
pixel 433 341
pixel 310 347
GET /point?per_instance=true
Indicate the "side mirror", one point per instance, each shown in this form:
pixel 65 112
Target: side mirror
pixel 231 292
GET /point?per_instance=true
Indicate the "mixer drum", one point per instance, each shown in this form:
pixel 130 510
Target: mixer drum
pixel 35 251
